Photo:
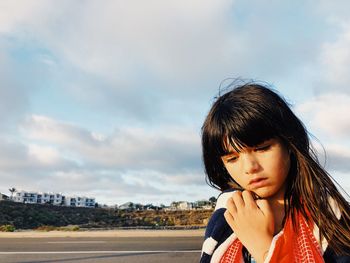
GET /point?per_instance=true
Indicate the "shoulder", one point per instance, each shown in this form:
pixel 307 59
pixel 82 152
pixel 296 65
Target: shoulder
pixel 324 243
pixel 217 226
pixel 223 197
pixel 217 230
pixel 330 256
pixel 217 223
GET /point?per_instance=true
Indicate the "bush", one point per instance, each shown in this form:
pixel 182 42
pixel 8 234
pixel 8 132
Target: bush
pixel 7 228
pixel 69 228
pixel 55 228
pixel 46 228
pixel 75 228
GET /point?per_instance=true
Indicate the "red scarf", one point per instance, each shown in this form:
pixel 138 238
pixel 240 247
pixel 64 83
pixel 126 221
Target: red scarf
pixel 290 247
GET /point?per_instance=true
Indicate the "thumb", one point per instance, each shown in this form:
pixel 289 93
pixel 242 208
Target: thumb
pixel 265 207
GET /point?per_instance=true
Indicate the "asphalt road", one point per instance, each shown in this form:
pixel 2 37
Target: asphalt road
pixel 100 249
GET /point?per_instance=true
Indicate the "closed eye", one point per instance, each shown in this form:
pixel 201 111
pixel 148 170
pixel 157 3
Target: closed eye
pixel 262 149
pixel 231 159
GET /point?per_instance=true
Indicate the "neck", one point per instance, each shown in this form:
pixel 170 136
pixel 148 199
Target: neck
pixel 277 206
pixel 276 203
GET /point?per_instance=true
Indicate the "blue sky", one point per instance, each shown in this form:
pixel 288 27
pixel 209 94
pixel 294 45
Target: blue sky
pixel 106 99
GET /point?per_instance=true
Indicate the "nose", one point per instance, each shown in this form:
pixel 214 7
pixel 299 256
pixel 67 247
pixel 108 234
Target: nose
pixel 250 164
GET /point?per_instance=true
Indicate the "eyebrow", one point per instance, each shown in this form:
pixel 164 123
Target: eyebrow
pixel 233 151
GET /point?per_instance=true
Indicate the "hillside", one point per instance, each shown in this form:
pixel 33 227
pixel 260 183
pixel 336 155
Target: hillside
pixel 31 216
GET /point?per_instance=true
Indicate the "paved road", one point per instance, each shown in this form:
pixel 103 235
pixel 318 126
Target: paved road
pixel 102 249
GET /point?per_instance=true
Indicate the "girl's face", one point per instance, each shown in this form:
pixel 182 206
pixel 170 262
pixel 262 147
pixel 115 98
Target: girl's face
pixel 262 169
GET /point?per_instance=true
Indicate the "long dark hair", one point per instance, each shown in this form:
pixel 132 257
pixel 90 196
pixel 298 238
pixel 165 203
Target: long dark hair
pixel 252 113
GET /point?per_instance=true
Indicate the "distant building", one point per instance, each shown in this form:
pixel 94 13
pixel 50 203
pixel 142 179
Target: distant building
pixel 125 206
pixel 181 205
pixel 184 205
pixel 52 198
pixel 203 204
pixel 130 206
pixel 3 197
pixel 80 201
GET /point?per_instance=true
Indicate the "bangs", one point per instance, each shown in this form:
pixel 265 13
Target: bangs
pixel 241 129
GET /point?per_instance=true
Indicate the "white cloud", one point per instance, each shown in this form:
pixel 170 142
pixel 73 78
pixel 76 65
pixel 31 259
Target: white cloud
pixel 15 13
pixel 335 158
pixel 47 129
pixel 334 11
pixel 36 160
pixel 338 159
pixel 145 162
pixel 335 62
pixel 110 39
pixel 44 154
pixel 167 148
pixel 328 114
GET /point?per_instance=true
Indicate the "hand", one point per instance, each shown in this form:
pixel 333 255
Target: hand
pixel 252 221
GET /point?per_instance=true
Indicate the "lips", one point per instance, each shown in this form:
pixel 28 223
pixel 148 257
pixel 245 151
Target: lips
pixel 257 182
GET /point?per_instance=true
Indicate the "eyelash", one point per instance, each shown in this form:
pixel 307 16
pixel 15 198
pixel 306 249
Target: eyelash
pixel 264 148
pixel 260 149
pixel 232 159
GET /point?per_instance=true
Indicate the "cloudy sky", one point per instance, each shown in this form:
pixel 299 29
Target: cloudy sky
pixel 106 99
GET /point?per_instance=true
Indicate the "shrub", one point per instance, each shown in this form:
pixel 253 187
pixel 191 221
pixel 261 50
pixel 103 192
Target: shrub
pixel 7 228
pixel 75 228
pixel 69 228
pixel 46 228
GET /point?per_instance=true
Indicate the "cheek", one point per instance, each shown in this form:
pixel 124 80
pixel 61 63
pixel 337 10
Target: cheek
pixel 283 165
pixel 231 171
pixel 236 174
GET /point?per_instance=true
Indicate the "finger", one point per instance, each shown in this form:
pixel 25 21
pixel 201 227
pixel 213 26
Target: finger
pixel 267 212
pixel 248 199
pixel 237 199
pixel 265 208
pixel 231 207
pixel 229 219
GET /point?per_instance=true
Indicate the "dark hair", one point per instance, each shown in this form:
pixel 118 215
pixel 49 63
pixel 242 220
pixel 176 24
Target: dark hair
pixel 251 114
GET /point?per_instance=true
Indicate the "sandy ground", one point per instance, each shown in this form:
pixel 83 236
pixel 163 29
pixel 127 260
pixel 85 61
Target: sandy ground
pixel 105 233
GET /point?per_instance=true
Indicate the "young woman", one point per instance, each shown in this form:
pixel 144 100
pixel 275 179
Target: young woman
pixel 277 203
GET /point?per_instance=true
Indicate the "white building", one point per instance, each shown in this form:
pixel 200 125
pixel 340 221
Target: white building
pixel 127 206
pixel 79 201
pixel 52 198
pixel 3 197
pixel 183 205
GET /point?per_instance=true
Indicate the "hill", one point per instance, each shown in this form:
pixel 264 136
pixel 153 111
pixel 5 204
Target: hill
pixel 31 216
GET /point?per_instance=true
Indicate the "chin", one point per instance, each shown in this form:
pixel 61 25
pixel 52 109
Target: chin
pixel 263 193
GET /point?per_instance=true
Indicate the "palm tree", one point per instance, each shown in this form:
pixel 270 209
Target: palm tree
pixel 12 190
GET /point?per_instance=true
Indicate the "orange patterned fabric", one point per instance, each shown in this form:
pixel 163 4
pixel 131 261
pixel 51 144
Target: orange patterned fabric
pixel 233 253
pixel 291 247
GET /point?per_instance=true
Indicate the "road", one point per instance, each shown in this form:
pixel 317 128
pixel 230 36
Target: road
pixel 100 249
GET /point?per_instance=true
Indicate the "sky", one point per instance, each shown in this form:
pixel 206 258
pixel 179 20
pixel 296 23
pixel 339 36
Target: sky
pixel 106 99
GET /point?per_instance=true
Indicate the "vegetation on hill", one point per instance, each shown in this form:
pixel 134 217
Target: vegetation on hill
pixel 33 216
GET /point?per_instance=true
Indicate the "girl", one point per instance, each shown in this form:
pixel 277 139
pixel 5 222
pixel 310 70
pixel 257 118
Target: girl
pixel 277 203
